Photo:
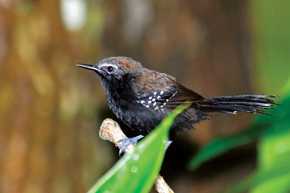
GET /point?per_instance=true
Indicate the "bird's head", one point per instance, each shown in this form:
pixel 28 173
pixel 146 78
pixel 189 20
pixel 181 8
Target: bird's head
pixel 114 71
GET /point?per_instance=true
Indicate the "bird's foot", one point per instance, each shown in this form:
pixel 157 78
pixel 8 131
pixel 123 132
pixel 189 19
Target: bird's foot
pixel 128 141
pixel 167 144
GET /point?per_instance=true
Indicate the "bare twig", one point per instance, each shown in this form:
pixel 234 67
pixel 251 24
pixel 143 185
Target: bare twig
pixel 111 131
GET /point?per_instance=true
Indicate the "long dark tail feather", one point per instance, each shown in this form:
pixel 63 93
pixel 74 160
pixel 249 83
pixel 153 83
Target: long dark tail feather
pixel 238 103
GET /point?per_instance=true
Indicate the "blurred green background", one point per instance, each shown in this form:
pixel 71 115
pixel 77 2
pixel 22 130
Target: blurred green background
pixel 50 110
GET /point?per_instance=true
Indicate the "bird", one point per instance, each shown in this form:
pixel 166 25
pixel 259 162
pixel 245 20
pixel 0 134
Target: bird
pixel 141 98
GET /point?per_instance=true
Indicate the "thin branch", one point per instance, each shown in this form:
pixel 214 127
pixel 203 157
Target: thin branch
pixel 111 131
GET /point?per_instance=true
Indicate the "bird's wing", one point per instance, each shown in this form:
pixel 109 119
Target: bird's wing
pixel 156 91
pixel 168 97
pixel 181 95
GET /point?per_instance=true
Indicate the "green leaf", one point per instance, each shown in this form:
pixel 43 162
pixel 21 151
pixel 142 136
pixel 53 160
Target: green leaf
pixel 274 146
pixel 260 125
pixel 272 72
pixel 136 172
pixel 273 174
pixel 275 179
pixel 274 154
pixel 220 145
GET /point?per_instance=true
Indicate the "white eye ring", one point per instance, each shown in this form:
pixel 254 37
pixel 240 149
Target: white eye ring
pixel 109 68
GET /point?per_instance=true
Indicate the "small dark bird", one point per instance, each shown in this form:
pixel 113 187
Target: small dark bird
pixel 141 98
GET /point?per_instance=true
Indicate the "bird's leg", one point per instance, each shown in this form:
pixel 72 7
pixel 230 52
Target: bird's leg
pixel 128 141
pixel 167 143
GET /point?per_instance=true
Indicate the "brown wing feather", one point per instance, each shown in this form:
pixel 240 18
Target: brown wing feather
pixel 183 94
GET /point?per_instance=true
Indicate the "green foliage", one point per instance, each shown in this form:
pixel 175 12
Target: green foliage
pixel 272 45
pixel 222 144
pixel 273 173
pixel 136 172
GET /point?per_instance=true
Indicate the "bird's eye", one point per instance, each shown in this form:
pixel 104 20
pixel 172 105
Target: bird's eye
pixel 110 69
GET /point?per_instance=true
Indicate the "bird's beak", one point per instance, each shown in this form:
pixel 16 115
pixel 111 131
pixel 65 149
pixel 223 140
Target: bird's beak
pixel 88 66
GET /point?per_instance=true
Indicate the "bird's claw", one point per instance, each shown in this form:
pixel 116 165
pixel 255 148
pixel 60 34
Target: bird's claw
pixel 167 144
pixel 128 141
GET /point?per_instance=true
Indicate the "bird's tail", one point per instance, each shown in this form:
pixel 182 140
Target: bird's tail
pixel 238 103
